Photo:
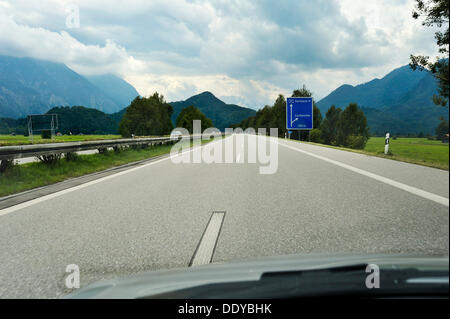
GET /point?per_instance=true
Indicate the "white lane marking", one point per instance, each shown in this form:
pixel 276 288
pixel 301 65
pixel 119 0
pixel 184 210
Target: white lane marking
pixel 413 190
pixel 69 190
pixel 239 150
pixel 205 249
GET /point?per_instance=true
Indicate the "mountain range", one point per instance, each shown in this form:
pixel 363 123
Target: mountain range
pixel 32 86
pixel 221 114
pixel 400 102
pixel 80 119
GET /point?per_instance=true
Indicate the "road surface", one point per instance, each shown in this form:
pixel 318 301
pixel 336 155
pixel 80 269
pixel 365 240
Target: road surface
pixel 150 217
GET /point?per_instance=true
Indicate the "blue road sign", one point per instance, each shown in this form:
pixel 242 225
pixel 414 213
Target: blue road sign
pixel 299 113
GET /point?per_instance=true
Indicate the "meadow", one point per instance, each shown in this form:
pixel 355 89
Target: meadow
pixel 414 150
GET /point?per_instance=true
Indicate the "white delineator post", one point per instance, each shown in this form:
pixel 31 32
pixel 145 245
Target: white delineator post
pixel 386 144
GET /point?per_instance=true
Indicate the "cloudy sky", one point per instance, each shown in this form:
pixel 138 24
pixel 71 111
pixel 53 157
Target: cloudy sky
pixel 245 52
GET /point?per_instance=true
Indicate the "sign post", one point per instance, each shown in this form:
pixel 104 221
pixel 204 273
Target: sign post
pixel 299 113
pixel 386 144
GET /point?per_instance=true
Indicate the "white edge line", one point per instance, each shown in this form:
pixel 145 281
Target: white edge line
pixel 413 190
pixel 68 190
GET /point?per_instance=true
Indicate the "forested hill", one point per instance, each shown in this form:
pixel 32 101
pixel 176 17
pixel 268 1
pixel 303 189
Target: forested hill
pixel 80 119
pixel 32 86
pixel 400 102
pixel 75 119
pixel 222 115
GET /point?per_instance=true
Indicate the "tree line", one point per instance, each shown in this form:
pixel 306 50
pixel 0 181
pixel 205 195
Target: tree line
pixel 346 127
pixel 71 120
pixel 151 116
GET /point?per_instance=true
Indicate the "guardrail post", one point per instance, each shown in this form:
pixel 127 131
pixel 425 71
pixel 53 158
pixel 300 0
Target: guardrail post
pixel 49 159
pixel 386 144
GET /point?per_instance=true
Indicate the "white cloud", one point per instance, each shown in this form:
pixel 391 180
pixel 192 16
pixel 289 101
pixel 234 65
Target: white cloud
pixel 243 51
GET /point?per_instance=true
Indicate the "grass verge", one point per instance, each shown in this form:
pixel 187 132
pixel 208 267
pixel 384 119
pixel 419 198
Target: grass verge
pixel 411 150
pixel 28 176
pixel 8 140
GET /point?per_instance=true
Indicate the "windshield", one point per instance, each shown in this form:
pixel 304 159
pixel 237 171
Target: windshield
pixel 223 141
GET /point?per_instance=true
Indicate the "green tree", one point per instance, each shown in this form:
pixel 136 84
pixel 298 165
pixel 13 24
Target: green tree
pixel 303 92
pixel 316 136
pixel 268 117
pixel 147 116
pixel 352 123
pixel 329 125
pixel 279 111
pixel 317 116
pixel 275 116
pixel 189 114
pixel 79 119
pixel 442 129
pixel 436 13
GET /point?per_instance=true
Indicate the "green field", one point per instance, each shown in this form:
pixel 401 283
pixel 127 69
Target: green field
pixel 412 150
pixel 6 140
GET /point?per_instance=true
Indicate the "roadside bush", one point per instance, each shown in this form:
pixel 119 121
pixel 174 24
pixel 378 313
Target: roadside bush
pixel 442 129
pixel 5 165
pixel 50 159
pixel 103 150
pixel 72 156
pixel 46 134
pixel 316 136
pixel 356 142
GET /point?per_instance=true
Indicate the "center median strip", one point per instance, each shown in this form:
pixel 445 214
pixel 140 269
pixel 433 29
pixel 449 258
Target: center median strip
pixel 205 250
pixel 413 190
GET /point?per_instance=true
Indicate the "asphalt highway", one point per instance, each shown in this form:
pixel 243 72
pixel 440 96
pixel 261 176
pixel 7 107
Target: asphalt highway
pixel 150 217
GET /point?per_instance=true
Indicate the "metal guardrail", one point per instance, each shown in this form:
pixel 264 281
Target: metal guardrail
pixel 31 150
